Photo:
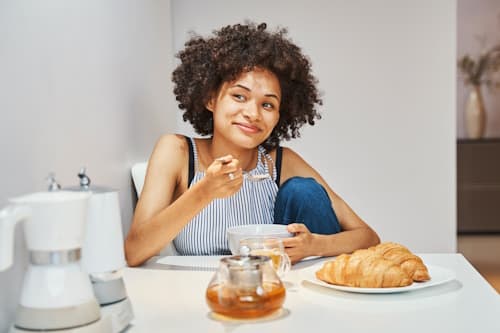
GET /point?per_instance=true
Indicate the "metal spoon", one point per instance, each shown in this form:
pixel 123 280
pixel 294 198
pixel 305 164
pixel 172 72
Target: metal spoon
pixel 257 177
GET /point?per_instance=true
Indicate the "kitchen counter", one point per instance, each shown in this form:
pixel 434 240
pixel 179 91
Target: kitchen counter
pixel 168 295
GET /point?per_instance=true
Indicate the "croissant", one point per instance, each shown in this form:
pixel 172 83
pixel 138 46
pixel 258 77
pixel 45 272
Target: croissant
pixel 409 262
pixel 365 269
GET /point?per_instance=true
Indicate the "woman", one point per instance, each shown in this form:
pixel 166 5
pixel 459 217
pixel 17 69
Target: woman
pixel 247 89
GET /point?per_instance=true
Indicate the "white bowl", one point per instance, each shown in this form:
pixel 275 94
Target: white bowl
pixel 235 234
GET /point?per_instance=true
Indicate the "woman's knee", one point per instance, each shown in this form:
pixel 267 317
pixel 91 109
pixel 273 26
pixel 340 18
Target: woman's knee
pixel 304 200
pixel 302 189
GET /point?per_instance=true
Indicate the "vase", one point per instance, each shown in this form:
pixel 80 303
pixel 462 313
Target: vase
pixel 475 114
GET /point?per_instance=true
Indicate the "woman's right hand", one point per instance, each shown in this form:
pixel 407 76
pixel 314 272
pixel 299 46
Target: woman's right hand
pixel 223 177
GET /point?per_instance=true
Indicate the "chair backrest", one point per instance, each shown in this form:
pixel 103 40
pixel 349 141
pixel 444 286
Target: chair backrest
pixel 138 175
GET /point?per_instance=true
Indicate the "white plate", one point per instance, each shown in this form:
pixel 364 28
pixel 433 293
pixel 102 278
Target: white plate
pixel 439 275
pixel 201 262
pixel 207 262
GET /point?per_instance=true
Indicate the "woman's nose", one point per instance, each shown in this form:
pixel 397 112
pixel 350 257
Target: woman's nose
pixel 252 111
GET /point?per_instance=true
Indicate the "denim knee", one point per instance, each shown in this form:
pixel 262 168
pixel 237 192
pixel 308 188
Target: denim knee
pixel 304 200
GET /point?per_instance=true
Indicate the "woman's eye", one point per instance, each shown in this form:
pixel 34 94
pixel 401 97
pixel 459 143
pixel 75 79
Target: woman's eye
pixel 268 106
pixel 239 97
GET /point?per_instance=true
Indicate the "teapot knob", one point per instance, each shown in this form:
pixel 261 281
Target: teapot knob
pixel 84 179
pixel 244 250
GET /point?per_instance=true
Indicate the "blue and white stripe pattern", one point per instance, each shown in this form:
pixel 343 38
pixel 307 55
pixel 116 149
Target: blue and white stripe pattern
pixel 205 234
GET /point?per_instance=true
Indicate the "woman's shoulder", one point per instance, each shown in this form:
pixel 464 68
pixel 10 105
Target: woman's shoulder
pixel 290 154
pixel 172 142
pixel 180 140
pixel 169 148
pixel 285 152
pixel 171 139
pixel 294 165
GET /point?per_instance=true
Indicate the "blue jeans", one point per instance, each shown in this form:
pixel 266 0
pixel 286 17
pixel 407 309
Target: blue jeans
pixel 304 200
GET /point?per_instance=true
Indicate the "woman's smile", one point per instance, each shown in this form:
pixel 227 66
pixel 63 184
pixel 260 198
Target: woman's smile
pixel 247 128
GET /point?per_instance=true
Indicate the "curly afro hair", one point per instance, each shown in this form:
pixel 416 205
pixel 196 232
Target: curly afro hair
pixel 206 63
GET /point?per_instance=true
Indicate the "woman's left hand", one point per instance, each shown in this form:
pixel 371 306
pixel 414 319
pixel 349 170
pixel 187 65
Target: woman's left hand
pixel 301 245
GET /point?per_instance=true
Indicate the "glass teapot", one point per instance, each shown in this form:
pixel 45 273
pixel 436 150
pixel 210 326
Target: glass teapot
pixel 245 287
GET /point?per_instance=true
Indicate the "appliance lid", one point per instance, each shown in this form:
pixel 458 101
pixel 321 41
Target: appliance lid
pixel 85 185
pixel 93 189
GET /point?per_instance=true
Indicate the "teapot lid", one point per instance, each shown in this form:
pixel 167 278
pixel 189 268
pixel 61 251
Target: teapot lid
pixel 245 260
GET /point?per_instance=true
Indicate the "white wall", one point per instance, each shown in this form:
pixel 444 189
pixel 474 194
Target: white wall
pixel 87 82
pixel 83 82
pixel 478 28
pixel 386 142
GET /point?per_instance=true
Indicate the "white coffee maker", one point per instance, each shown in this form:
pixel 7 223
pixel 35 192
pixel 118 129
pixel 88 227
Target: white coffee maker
pixel 56 293
pixel 103 256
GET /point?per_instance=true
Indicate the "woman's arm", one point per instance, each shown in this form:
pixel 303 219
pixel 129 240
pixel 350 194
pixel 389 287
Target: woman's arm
pixel 355 232
pixel 166 205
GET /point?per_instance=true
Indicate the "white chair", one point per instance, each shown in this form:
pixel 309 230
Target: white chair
pixel 138 174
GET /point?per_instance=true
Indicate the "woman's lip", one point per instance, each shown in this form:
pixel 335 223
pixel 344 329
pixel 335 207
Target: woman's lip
pixel 248 128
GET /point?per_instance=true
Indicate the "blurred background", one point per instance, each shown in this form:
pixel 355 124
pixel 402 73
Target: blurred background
pixel 478 135
pixel 87 83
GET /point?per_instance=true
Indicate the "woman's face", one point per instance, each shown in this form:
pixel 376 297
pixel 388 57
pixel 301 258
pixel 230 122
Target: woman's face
pixel 246 110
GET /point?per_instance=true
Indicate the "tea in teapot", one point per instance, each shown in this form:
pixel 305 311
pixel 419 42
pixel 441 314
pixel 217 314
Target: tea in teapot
pixel 245 287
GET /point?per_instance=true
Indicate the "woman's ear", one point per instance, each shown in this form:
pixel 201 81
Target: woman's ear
pixel 210 105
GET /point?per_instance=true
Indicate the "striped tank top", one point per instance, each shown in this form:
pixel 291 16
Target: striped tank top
pixel 205 234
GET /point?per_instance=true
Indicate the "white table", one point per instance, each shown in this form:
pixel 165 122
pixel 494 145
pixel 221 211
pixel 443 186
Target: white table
pixel 169 298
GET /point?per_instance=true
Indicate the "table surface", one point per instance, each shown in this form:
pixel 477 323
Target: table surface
pixel 170 297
